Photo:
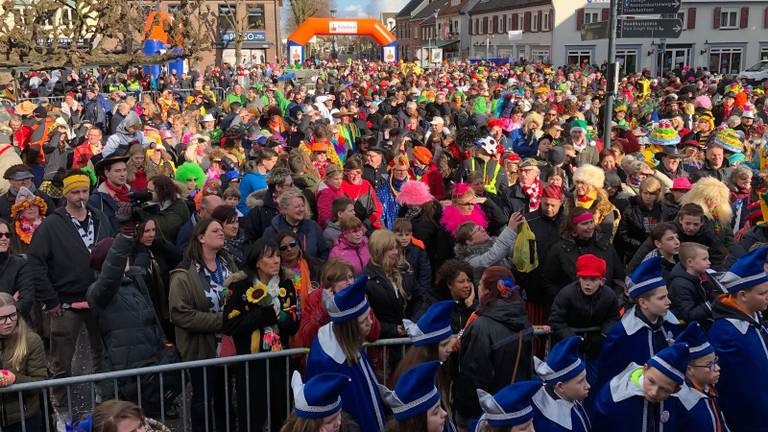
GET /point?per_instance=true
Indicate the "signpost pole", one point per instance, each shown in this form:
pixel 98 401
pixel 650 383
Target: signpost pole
pixel 608 108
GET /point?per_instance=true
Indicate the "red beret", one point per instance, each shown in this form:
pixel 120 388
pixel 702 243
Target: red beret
pixel 589 265
pixel 495 122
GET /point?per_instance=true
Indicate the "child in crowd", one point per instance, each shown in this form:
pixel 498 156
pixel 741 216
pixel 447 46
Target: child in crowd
pixel 558 405
pixel 342 207
pixel 413 251
pixel 586 308
pixel 645 329
pixel 691 290
pixel 636 399
pixel 698 404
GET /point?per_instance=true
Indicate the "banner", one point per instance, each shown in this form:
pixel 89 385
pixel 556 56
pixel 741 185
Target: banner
pixel 342 27
pixel 389 54
pixel 294 52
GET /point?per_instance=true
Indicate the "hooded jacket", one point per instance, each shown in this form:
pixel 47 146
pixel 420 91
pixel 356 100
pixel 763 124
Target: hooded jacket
pixel 58 259
pixel 489 350
pixel 741 343
pixel 325 196
pixel 122 138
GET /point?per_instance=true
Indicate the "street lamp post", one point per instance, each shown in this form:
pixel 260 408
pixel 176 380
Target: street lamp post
pixel 333 38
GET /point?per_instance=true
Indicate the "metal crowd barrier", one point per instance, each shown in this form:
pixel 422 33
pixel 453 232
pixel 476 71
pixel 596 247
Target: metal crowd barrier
pixel 86 388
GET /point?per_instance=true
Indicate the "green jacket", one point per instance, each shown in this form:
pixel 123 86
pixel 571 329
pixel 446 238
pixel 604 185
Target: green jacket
pixel 196 326
pixel 33 368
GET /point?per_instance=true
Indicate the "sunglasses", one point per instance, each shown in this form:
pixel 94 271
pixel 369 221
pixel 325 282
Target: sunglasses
pixel 290 245
pixel 5 234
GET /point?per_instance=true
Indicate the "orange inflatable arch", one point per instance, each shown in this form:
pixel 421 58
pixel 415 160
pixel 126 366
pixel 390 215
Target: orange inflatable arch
pixel 341 27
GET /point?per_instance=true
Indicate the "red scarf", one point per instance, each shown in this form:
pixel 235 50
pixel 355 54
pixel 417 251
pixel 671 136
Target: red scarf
pixel 121 193
pixel 533 191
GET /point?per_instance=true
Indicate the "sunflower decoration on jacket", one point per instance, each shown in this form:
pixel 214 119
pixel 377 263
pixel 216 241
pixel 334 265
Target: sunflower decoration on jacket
pixel 27 212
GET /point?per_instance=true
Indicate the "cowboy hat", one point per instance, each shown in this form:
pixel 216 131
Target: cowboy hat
pixel 343 113
pixel 25 108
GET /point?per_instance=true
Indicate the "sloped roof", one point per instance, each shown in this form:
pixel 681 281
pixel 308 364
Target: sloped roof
pixel 493 5
pixel 408 8
pixel 429 10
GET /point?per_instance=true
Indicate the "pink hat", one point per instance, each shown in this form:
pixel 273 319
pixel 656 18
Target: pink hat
pixel 414 193
pixel 681 183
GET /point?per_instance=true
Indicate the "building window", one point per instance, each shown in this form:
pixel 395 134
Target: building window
pixel 764 53
pixel 534 23
pixel 591 17
pixel 545 22
pixel 540 55
pixel 729 18
pixel 520 21
pixel 256 17
pixel 579 57
pixel 628 60
pixel 172 8
pixel 227 17
pixel 66 17
pixel 725 60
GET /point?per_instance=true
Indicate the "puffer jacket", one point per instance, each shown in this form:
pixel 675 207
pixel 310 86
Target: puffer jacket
pixel 489 351
pixel 308 232
pixel 32 368
pixel 572 310
pixel 356 256
pixel 633 229
pixel 260 216
pixel 13 279
pixel 125 312
pixel 691 297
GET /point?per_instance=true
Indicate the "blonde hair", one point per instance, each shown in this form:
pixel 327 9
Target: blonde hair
pixel 287 196
pixel 651 185
pixel 381 241
pixel 16 348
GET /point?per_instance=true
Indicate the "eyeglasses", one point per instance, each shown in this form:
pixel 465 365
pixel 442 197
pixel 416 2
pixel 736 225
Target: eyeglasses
pixel 5 234
pixel 12 317
pixel 711 365
pixel 290 245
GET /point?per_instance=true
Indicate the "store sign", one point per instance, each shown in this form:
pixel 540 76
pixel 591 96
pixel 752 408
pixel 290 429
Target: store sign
pixel 342 27
pixel 247 37
pixel 389 54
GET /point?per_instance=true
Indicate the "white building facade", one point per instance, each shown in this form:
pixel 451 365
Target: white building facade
pixel 725 36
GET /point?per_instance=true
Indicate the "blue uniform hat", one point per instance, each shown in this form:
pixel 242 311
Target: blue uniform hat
pixel 415 392
pixel 434 326
pixel 747 272
pixel 349 303
pixel 646 277
pixel 511 406
pixel 672 361
pixel 320 396
pixel 563 362
pixel 694 337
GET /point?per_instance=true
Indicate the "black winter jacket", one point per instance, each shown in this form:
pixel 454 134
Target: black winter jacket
pixel 691 298
pixel 391 308
pixel 260 218
pixel 489 350
pixel 58 258
pixel 125 312
pixel 560 265
pixel 756 234
pixel 547 231
pixel 573 309
pixel 632 230
pixel 705 236
pixel 421 268
pixel 14 277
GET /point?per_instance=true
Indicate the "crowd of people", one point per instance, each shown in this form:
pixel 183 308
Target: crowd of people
pixel 548 278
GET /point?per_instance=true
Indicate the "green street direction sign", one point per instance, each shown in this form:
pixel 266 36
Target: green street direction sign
pixel 648 7
pixel 649 28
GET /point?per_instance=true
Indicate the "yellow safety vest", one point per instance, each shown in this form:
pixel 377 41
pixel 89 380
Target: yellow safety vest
pixel 490 186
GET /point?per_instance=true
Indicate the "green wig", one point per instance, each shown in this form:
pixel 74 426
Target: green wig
pixel 189 171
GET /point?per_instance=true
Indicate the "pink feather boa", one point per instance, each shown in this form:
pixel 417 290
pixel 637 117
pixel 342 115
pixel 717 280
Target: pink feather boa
pixel 452 218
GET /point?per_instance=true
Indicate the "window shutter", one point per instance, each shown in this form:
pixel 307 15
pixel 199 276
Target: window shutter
pixel 716 20
pixel 540 22
pixel 744 19
pixel 470 26
pixel 579 19
pixel 551 19
pixel 503 23
pixel 604 14
pixel 527 22
pixel 765 18
pixel 485 25
pixel 691 19
pixel 495 24
pixel 516 18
